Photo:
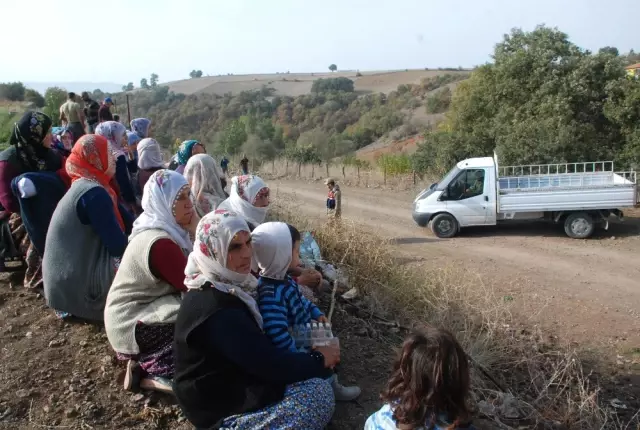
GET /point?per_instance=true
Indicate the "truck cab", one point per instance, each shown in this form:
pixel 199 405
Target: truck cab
pixel 465 197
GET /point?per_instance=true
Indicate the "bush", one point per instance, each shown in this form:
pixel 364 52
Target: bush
pixel 439 102
pixel 332 84
pixel 13 91
pixel 394 164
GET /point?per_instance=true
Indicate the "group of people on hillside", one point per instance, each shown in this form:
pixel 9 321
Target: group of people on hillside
pixel 199 295
pixel 80 115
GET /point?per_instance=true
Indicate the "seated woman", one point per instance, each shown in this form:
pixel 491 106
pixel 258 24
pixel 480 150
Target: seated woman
pixel 116 134
pixel 149 161
pixel 249 197
pixel 429 386
pixel 29 152
pixel 141 127
pixel 204 177
pixel 187 149
pixel 62 141
pixel 228 373
pixel 143 302
pixel 132 151
pixel 87 234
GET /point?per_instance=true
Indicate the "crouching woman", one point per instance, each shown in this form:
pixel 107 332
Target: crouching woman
pixel 228 373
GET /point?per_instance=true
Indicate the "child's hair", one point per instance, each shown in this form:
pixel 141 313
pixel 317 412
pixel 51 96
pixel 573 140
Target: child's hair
pixel 295 234
pixel 430 378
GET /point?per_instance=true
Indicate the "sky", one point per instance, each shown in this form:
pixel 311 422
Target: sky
pixel 77 40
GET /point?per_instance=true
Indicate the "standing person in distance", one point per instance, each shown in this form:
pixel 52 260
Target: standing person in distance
pixel 72 115
pixel 224 164
pixel 334 199
pixel 244 164
pixel 104 113
pixel 91 108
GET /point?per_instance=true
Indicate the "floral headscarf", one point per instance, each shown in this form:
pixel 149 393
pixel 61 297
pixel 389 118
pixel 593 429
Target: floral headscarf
pixel 149 154
pixel 185 151
pixel 158 203
pixel 28 134
pixel 140 126
pixel 203 175
pixel 92 159
pixel 58 139
pixel 114 132
pixel 245 190
pixel 208 260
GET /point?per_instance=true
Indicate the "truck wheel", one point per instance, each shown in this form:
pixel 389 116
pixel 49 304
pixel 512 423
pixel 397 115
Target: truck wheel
pixel 444 226
pixel 579 225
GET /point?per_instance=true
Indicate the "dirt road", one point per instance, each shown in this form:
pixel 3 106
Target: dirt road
pixel 587 291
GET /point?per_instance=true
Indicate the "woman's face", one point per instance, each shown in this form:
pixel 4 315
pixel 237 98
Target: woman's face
pixel 67 141
pixel 46 142
pixel 240 253
pixel 183 208
pixel 198 149
pixel 124 141
pixel 262 198
pixel 295 256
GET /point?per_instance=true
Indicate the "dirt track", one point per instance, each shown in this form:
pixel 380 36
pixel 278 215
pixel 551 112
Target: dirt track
pixel 585 291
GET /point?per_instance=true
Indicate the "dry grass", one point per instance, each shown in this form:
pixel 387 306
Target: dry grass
pixel 541 385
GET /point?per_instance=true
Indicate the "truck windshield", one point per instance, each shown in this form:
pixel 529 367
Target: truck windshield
pixel 447 178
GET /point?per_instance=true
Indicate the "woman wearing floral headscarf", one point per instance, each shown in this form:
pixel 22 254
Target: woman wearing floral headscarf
pixel 141 127
pixel 62 141
pixel 249 197
pixel 187 149
pixel 116 134
pixel 87 235
pixel 29 153
pixel 144 299
pixel 204 177
pixel 228 374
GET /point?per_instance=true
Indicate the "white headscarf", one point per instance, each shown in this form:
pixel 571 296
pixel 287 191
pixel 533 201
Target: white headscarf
pixel 149 154
pixel 113 131
pixel 158 198
pixel 244 190
pixel 204 177
pixel 208 260
pixel 272 249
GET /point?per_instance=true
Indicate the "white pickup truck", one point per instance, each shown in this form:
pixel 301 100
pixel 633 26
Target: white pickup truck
pixel 478 192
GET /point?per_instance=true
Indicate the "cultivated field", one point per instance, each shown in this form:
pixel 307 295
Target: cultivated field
pixel 295 84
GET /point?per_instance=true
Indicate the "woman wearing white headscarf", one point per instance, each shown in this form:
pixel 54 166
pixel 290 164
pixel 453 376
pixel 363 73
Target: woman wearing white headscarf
pixel 204 177
pixel 143 302
pixel 116 134
pixel 228 373
pixel 249 197
pixel 149 160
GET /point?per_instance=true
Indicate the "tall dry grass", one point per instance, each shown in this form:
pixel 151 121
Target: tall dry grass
pixel 541 385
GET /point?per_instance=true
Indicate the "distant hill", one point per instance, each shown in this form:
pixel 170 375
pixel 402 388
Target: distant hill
pixel 78 87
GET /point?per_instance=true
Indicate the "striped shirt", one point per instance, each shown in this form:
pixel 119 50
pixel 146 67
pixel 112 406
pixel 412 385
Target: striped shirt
pixel 282 307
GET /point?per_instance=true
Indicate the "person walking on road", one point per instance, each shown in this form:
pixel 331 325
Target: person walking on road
pixel 244 165
pixel 224 164
pixel 334 199
pixel 72 115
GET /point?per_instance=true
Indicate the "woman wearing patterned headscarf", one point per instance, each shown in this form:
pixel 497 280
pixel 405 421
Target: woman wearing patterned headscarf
pixel 187 149
pixel 249 198
pixel 144 299
pixel 141 127
pixel 87 235
pixel 203 174
pixel 116 134
pixel 29 152
pixel 228 374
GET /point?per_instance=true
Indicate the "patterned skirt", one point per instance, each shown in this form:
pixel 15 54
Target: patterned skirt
pixel 33 260
pixel 307 405
pixel 156 349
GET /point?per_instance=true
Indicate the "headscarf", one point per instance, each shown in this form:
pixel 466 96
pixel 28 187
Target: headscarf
pixel 28 134
pixel 92 159
pixel 132 138
pixel 203 175
pixel 272 249
pixel 58 134
pixel 149 154
pixel 244 192
pixel 185 151
pixel 158 200
pixel 114 132
pixel 140 126
pixel 208 260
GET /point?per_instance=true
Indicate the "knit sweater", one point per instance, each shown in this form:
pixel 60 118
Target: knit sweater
pixel 282 306
pixel 136 295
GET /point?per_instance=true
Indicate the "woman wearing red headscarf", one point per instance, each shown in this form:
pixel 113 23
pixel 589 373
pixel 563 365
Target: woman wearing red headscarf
pixel 87 235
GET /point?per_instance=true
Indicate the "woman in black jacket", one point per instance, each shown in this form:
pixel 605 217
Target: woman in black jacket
pixel 228 373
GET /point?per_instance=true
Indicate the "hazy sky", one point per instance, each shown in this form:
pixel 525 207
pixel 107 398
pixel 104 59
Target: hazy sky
pixel 64 40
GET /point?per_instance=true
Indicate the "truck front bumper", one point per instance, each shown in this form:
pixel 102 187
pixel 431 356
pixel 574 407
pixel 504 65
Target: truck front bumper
pixel 421 218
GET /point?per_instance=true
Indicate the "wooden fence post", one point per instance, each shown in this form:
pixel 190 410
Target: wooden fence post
pixel 385 174
pixel 344 176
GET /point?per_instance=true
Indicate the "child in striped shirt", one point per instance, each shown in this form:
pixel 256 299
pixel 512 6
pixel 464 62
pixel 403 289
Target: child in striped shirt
pixel 275 249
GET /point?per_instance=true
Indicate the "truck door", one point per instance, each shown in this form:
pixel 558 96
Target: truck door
pixel 469 198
